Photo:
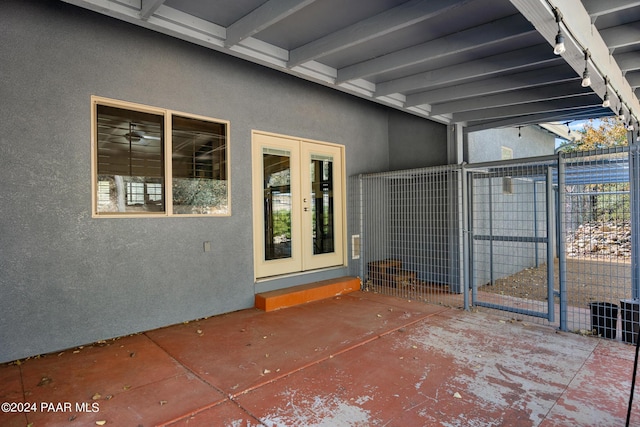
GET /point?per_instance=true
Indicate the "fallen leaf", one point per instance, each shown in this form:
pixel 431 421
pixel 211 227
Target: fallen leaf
pixel 163 402
pixel 266 371
pixel 457 395
pixel 101 422
pixel 96 396
pixel 44 381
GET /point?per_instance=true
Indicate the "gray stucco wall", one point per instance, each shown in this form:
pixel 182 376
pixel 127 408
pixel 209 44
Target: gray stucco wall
pixel 415 143
pixel 67 279
pixel 485 146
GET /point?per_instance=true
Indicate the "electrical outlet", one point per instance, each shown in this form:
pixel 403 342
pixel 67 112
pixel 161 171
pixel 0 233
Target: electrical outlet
pixel 207 246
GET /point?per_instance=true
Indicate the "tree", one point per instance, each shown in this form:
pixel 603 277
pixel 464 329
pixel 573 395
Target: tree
pixel 601 133
pixel 604 201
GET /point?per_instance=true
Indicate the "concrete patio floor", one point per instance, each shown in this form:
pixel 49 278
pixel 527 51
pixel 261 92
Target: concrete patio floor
pixel 361 359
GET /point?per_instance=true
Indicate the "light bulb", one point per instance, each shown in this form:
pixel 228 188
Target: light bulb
pixel 586 79
pixel 559 47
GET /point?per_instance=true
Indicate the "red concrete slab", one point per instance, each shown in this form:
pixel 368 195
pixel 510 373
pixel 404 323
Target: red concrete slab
pixel 11 393
pixel 437 372
pixel 125 380
pixel 600 391
pixel 227 413
pixel 360 359
pixel 242 350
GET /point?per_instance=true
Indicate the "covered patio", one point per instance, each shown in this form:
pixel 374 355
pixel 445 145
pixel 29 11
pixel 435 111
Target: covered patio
pixel 360 359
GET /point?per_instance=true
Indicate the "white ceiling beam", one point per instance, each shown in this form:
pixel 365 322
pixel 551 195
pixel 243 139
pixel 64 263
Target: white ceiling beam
pixel 597 8
pixel 511 98
pixel 628 61
pixel 494 85
pixel 481 68
pixel 523 110
pixel 148 7
pixel 582 35
pixel 624 35
pixel 392 20
pixel 534 119
pixel 460 42
pixel 263 17
pixel 634 79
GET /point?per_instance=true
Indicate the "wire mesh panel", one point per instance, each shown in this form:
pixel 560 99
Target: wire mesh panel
pixel 410 233
pixel 596 232
pixel 509 238
pixel 550 239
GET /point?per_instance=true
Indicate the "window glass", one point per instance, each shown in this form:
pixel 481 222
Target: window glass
pixel 276 168
pixel 129 156
pixel 322 203
pixel 199 160
pixel 137 172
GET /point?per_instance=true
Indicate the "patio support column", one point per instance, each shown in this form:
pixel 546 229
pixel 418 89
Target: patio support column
pixel 455 144
pixel 455 190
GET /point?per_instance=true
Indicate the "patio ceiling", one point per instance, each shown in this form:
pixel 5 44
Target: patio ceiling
pixel 479 63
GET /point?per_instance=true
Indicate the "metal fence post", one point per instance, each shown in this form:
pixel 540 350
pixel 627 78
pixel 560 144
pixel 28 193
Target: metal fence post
pixel 466 264
pixel 634 187
pixel 562 261
pixel 550 199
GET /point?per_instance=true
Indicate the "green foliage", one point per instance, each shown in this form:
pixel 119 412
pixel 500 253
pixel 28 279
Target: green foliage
pixel 601 133
pixel 195 195
pixel 282 223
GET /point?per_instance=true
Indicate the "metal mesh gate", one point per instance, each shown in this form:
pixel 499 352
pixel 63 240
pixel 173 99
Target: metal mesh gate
pixel 511 237
pixel 485 235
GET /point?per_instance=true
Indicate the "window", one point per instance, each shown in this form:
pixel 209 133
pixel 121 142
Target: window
pixel 151 161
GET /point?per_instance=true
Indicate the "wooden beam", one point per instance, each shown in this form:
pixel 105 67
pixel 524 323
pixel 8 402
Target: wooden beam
pixel 379 25
pixel 263 17
pixel 515 97
pixel 478 69
pixel 148 7
pixel 597 8
pixel 460 42
pixel 494 85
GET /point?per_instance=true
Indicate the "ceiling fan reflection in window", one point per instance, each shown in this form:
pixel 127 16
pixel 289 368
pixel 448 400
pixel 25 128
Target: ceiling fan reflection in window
pixel 138 135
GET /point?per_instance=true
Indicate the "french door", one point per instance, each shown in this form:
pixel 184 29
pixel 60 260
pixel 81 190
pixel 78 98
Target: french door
pixel 298 204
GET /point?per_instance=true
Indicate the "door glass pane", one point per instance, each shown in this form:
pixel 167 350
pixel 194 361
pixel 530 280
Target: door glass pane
pixel 130 161
pixel 322 203
pixel 276 165
pixel 199 162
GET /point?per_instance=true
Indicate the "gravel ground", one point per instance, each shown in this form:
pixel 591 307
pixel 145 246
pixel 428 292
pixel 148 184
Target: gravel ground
pixel 588 280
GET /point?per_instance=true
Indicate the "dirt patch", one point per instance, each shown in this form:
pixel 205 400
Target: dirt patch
pixel 587 280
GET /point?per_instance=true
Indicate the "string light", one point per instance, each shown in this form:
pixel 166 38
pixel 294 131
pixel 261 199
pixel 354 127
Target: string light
pixel 559 47
pixel 606 102
pixel 586 78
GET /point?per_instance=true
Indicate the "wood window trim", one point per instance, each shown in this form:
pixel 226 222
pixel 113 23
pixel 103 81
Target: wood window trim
pixel 167 115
